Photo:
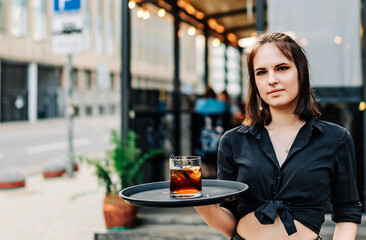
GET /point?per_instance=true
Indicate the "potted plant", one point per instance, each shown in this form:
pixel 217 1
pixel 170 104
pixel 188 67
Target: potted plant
pixel 120 168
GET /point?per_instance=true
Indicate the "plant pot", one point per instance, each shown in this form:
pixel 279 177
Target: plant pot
pixel 117 213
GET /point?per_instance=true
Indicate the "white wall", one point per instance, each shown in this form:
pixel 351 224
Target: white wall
pixel 315 24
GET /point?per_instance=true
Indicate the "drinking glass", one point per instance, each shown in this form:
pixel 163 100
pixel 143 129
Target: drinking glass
pixel 185 176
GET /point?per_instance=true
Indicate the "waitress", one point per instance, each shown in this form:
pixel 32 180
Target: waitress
pixel 293 163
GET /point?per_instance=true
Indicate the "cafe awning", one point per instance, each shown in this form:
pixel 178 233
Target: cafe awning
pixel 228 20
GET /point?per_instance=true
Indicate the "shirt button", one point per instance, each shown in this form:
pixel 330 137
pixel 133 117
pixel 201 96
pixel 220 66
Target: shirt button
pixel 278 178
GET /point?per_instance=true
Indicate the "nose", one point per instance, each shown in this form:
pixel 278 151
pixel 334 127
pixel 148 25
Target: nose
pixel 272 78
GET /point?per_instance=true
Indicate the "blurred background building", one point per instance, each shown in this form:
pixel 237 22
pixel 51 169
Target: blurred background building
pixel 32 77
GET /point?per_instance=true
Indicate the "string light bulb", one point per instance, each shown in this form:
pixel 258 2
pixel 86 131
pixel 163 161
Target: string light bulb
pixel 161 12
pixel 140 13
pixel 191 31
pixel 200 15
pixel 131 4
pixel 362 106
pixel 146 15
pixel 304 42
pixel 220 28
pixel 337 40
pixel 216 42
pixel 231 37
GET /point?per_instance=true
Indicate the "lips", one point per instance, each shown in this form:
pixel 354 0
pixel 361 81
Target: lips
pixel 275 91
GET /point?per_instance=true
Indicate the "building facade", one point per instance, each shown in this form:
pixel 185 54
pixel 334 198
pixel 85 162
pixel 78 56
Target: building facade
pixel 32 79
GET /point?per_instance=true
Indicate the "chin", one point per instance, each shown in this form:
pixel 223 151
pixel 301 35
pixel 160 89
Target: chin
pixel 283 106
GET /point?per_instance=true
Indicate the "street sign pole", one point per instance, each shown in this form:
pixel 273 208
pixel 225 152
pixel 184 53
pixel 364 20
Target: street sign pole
pixel 67 25
pixel 68 115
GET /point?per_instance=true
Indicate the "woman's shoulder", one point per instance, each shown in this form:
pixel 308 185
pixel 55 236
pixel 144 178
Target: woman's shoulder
pixel 331 129
pixel 237 131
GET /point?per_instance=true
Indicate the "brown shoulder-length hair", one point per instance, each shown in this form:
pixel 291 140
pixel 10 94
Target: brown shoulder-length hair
pixel 256 110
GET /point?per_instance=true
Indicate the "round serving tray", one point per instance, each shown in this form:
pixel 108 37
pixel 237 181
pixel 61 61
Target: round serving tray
pixel 157 194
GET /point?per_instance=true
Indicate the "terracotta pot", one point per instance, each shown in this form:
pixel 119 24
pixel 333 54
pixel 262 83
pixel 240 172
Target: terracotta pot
pixel 118 213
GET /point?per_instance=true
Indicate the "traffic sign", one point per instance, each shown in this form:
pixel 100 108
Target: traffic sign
pixel 67 25
pixel 67 5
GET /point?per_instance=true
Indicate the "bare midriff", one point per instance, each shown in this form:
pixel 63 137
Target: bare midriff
pixel 250 228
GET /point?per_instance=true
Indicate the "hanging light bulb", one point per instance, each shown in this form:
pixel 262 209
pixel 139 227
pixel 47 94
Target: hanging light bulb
pixel 146 14
pixel 337 40
pixel 140 13
pixel 161 12
pixel 191 31
pixel 200 15
pixel 362 106
pixel 220 28
pixel 216 42
pixel 131 4
pixel 231 37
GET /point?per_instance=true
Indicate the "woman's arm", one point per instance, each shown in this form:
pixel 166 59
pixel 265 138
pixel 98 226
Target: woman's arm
pixel 345 231
pixel 218 218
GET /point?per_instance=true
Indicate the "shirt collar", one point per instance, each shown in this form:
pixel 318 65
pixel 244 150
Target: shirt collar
pixel 255 129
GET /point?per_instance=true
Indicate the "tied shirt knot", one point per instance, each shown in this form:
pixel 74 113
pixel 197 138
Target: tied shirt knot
pixel 267 213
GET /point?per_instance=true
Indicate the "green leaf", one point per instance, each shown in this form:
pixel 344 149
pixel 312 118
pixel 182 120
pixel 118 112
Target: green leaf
pixel 123 162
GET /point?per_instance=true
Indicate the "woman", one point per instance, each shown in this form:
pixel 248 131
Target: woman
pixel 293 163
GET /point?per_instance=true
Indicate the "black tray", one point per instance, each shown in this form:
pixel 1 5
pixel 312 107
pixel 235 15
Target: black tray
pixel 158 194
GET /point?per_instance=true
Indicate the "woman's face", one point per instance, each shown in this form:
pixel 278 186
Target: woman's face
pixel 276 78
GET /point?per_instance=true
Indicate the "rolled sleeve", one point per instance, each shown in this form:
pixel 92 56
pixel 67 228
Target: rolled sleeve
pixel 345 198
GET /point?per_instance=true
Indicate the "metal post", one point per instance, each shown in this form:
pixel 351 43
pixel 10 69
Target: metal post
pixel 68 115
pixel 0 92
pixel 205 76
pixel 259 13
pixel 125 67
pixel 364 96
pixel 241 71
pixel 176 93
pixel 226 68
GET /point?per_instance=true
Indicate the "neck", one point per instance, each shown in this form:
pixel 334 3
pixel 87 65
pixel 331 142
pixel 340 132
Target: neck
pixel 284 119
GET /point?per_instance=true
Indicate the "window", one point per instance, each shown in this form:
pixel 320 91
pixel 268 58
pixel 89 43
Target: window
pixel 110 41
pixel 102 110
pixel 39 19
pixel 1 15
pixel 87 26
pixel 76 111
pixel 87 79
pixel 74 79
pixel 100 29
pixel 112 109
pixel 88 110
pixel 112 81
pixel 18 20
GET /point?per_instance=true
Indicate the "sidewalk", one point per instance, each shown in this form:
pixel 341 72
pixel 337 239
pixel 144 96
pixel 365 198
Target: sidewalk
pixel 44 210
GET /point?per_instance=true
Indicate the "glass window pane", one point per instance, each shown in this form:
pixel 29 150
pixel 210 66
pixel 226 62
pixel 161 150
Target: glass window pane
pixel 1 15
pixel 18 21
pixel 39 19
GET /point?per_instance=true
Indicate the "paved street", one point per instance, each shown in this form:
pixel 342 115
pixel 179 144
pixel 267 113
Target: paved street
pixel 29 146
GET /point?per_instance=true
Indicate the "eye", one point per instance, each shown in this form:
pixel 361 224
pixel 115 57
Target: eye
pixel 283 68
pixel 260 73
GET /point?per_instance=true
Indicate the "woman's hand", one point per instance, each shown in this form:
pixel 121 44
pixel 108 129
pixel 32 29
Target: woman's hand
pixel 218 218
pixel 345 231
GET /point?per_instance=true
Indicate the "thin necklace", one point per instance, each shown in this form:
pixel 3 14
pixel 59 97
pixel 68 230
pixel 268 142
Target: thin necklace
pixel 287 147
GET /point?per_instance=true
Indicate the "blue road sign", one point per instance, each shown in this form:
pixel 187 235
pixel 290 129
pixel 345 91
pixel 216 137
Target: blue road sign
pixel 67 5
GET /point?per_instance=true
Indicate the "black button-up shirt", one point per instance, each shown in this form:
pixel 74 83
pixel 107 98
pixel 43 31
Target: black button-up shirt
pixel 320 167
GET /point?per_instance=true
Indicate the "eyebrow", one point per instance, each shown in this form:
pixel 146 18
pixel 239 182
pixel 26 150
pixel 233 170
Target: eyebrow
pixel 278 65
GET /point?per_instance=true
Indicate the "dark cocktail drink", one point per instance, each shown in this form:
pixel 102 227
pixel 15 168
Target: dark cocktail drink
pixel 185 178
